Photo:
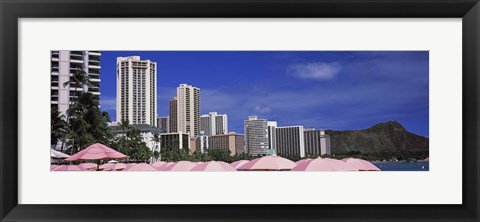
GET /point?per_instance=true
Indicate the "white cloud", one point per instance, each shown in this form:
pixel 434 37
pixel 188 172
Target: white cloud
pixel 317 71
pixel 262 109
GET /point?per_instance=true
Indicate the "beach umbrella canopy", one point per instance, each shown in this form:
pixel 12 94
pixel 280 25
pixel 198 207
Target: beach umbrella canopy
pixel 213 166
pixel 167 164
pixel 69 168
pixel 323 164
pixel 158 164
pixel 360 164
pixel 141 167
pixel 58 155
pixel 426 159
pixel 89 166
pixel 269 163
pixel 113 166
pixel 97 151
pixel 180 166
pixel 239 163
pixel 303 160
pixel 53 167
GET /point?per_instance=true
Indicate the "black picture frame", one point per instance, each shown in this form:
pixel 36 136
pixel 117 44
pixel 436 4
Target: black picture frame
pixel 11 11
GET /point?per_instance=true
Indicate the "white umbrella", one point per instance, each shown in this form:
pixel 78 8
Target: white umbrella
pixel 58 155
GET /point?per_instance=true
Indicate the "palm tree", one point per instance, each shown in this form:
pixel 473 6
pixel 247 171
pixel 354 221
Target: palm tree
pixel 79 79
pixel 57 125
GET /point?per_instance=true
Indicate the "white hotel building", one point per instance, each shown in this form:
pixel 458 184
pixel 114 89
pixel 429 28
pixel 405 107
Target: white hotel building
pixel 136 90
pixel 256 136
pixel 63 64
pixel 214 124
pixel 188 110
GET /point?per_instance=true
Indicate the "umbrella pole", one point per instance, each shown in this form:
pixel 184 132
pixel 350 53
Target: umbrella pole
pixel 98 165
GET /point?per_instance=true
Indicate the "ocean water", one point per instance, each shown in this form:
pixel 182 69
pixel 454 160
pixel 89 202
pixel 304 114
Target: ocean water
pixel 402 166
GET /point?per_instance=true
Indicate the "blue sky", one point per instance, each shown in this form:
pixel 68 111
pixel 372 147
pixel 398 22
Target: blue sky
pixel 317 89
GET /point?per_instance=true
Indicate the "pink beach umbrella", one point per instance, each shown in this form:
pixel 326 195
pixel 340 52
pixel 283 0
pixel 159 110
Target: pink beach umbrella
pixel 427 159
pixel 269 163
pixel 239 163
pixel 323 164
pixel 89 166
pixel 158 164
pixel 213 166
pixel 180 166
pixel 359 164
pixel 69 168
pixel 167 164
pixel 97 151
pixel 53 167
pixel 303 160
pixel 141 167
pixel 113 166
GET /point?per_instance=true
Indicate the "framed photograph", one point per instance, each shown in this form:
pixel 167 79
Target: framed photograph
pixel 225 110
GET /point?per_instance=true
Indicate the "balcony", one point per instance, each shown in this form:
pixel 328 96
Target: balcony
pixel 94 53
pixel 95 93
pixel 94 79
pixel 76 61
pixel 55 59
pixel 93 67
pixel 55 73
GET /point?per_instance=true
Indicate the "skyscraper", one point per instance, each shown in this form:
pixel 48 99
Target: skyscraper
pixel 63 64
pixel 188 110
pixel 136 90
pixel 163 123
pixel 317 142
pixel 256 136
pixel 290 141
pixel 172 104
pixel 214 124
pixel 272 140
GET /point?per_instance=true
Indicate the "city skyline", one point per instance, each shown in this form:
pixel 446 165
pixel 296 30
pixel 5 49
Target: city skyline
pixel 323 90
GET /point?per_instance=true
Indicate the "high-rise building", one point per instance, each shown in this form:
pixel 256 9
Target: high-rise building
pixel 174 141
pixel 188 110
pixel 290 141
pixel 232 142
pixel 136 90
pixel 163 123
pixel 317 142
pixel 172 104
pixel 256 136
pixel 214 124
pixel 272 140
pixel 63 65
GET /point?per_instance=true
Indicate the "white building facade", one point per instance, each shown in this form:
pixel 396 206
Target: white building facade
pixel 188 110
pixel 136 90
pixel 256 136
pixel 214 124
pixel 63 65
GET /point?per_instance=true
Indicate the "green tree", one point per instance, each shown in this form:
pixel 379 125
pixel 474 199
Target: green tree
pixel 58 126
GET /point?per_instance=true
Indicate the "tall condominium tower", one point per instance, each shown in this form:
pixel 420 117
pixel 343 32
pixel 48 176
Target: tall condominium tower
pixel 272 140
pixel 63 64
pixel 188 110
pixel 213 124
pixel 317 142
pixel 290 141
pixel 172 104
pixel 256 136
pixel 136 90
